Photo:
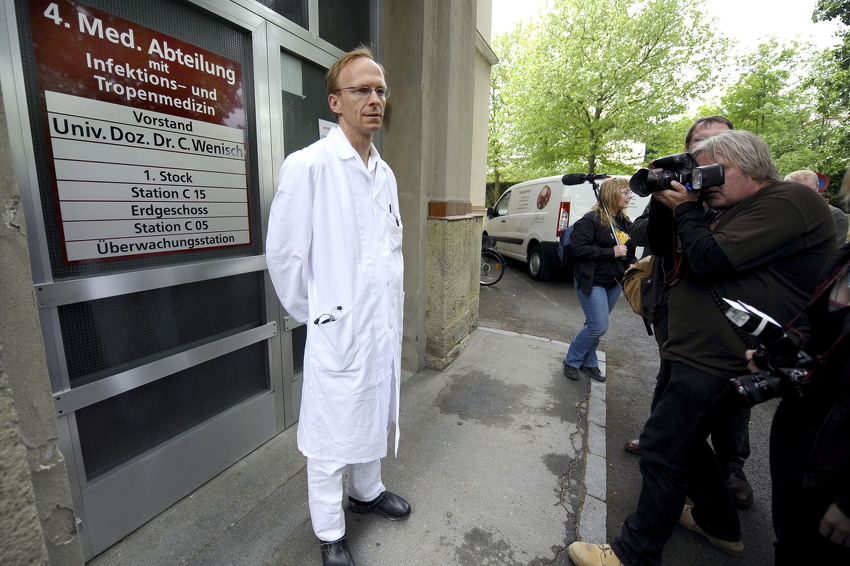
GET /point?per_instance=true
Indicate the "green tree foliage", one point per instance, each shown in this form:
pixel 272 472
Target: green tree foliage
pixel 837 10
pixel 780 96
pixel 586 76
pixel 764 100
pixel 576 85
pixel 772 99
pixel 832 79
pixel 499 151
pixel 668 137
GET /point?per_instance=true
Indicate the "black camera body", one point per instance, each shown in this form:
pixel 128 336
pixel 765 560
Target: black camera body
pixel 786 368
pixel 681 167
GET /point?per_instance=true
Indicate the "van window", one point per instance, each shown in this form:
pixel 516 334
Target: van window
pixel 502 205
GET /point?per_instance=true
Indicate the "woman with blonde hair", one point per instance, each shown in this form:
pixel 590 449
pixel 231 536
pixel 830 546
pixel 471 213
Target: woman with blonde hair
pixel 603 249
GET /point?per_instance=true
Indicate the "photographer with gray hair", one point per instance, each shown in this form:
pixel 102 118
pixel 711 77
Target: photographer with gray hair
pixel 767 246
pixel 731 436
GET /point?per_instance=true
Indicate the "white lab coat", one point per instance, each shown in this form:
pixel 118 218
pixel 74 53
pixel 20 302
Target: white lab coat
pixel 334 240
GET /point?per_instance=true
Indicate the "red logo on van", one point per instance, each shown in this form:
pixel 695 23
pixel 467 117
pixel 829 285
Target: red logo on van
pixel 543 197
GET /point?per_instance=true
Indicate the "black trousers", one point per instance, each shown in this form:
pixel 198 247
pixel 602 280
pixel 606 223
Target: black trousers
pixel 676 462
pixel 797 510
pixel 730 436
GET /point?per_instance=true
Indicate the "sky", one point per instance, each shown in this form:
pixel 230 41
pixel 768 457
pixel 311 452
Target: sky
pixel 744 20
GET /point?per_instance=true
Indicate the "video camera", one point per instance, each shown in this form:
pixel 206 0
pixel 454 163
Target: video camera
pixel 681 167
pixel 785 366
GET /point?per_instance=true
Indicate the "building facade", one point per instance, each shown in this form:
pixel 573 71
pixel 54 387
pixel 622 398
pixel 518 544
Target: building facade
pixel 142 348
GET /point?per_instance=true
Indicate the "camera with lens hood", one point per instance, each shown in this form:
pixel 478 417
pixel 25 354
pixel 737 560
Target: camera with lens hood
pixel 786 368
pixel 681 167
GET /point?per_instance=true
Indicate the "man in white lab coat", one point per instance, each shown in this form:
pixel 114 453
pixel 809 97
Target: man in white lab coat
pixel 334 256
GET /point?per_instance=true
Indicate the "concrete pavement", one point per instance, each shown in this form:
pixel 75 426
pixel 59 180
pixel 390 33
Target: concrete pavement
pixel 501 457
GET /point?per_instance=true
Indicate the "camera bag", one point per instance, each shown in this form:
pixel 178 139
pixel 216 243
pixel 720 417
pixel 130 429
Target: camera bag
pixel 638 286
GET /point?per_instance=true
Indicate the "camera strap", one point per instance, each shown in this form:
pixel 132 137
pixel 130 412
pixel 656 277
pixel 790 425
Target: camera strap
pixel 741 334
pixel 611 224
pixel 673 277
pixel 836 274
pixel 827 284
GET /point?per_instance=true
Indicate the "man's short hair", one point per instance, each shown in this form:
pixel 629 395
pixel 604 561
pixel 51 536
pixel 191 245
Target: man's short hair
pixel 805 177
pixel 741 149
pixel 715 119
pixel 332 77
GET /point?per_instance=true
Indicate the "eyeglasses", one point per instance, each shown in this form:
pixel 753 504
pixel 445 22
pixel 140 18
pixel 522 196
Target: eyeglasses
pixel 327 317
pixel 628 193
pixel 361 92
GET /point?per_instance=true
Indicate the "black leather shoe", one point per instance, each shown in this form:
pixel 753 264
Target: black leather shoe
pixel 633 446
pixel 570 371
pixel 593 372
pixel 742 492
pixel 387 504
pixel 336 553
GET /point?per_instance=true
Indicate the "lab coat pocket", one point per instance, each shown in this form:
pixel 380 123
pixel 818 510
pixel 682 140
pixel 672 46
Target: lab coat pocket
pixel 335 347
pixel 395 233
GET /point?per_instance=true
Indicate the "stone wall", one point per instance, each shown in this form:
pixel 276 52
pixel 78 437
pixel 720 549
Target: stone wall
pixel 21 539
pixel 454 249
pixel 36 514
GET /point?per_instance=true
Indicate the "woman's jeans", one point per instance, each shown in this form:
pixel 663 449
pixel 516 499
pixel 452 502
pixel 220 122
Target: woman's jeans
pixel 596 306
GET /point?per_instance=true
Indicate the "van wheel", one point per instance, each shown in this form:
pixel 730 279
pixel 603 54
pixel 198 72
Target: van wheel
pixel 537 269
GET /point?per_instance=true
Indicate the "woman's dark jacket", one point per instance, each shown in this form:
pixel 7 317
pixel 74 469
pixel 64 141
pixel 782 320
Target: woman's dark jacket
pixel 592 244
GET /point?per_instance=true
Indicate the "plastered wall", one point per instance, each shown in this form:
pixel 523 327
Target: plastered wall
pixel 36 514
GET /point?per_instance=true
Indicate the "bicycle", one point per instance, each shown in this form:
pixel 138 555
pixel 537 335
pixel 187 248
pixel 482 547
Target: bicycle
pixel 492 265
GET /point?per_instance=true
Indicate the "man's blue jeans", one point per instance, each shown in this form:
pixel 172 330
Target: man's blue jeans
pixel 677 462
pixel 596 306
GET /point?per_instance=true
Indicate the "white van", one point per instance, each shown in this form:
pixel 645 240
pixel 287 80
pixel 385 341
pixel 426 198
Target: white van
pixel 529 217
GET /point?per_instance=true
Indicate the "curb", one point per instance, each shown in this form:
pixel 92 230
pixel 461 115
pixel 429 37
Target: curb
pixel 593 516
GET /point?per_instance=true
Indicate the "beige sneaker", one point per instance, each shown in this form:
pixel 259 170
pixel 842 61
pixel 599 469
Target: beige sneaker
pixel 586 554
pixel 733 548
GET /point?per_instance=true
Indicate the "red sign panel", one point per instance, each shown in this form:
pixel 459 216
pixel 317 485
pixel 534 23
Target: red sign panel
pixel 146 135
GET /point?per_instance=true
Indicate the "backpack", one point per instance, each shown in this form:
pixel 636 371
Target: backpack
pixel 565 249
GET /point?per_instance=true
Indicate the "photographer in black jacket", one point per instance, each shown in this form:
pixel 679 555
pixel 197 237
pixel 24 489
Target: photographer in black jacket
pixel 767 246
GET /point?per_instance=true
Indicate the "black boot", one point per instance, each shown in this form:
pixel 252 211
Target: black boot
pixel 336 553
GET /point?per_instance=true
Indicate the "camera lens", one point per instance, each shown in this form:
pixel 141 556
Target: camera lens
pixel 643 183
pixel 757 388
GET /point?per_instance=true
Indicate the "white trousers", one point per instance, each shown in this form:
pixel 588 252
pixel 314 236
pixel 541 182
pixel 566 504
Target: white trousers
pixel 324 492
